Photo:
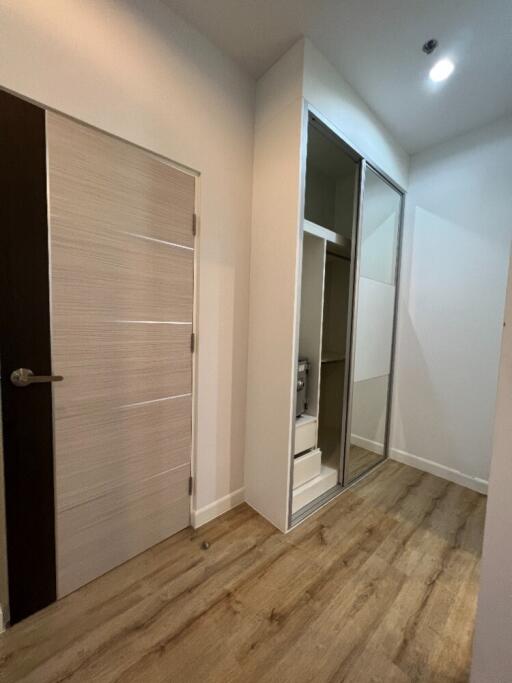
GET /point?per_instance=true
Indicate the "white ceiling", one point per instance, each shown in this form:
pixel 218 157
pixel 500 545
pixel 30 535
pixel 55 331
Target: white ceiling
pixel 376 44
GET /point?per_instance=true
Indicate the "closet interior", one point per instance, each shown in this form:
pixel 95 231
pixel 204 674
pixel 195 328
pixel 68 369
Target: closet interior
pixel 330 209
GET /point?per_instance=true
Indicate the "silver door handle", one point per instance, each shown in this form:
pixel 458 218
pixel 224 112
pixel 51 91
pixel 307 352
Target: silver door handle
pixel 23 377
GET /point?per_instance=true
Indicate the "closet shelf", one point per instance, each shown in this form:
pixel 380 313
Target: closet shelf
pixel 332 357
pixel 329 235
pixel 304 419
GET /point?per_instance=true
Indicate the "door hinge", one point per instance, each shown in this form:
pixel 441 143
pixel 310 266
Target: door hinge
pixel 190 485
pixel 193 342
pixel 194 224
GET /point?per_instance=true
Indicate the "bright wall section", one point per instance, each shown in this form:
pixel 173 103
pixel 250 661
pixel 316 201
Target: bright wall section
pixel 457 236
pixel 137 70
pixel 328 92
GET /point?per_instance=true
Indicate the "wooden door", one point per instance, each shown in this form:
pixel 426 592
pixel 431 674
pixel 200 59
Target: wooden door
pixel 27 423
pixel 121 281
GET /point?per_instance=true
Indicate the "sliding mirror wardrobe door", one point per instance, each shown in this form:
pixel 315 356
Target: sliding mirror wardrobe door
pixel 374 325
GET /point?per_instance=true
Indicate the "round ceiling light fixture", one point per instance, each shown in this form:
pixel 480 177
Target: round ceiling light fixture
pixel 441 70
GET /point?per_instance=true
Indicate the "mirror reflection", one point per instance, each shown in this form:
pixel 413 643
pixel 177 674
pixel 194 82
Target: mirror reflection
pixel 374 316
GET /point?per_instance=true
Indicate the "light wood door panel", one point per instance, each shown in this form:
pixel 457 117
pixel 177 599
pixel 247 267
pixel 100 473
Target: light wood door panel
pixel 122 267
pixel 138 362
pixel 114 276
pixel 105 447
pixel 104 532
pixel 108 182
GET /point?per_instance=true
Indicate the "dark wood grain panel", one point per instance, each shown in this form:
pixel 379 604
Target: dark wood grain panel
pixel 25 342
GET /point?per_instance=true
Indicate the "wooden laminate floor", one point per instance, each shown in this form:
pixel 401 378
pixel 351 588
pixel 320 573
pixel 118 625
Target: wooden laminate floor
pixel 380 585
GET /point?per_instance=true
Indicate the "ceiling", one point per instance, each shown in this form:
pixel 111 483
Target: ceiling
pixel 376 45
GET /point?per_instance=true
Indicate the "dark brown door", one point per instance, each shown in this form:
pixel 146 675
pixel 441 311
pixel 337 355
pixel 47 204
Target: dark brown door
pixel 25 343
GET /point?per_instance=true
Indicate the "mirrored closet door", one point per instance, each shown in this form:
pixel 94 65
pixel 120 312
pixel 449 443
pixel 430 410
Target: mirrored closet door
pixel 348 287
pixel 373 333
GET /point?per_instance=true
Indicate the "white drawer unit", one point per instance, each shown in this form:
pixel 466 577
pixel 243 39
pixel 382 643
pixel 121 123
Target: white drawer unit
pixel 312 489
pixel 305 433
pixel 306 467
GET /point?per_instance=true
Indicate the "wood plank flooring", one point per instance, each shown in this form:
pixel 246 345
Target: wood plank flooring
pixel 378 586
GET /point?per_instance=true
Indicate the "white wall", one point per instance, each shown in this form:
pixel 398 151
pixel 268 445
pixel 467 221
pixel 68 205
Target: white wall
pixel 326 90
pixel 455 256
pixel 133 68
pixel 492 654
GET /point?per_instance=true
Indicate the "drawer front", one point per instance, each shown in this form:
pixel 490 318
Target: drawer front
pixel 306 467
pixel 311 490
pixel 305 437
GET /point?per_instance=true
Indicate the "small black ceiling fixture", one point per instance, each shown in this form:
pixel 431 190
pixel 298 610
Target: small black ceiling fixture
pixel 430 46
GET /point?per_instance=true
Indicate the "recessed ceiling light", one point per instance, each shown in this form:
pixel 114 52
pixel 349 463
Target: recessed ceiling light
pixel 429 47
pixel 441 70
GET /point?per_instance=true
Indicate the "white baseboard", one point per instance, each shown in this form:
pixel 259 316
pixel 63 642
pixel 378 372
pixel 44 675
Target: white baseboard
pixel 474 483
pixel 369 445
pixel 218 507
